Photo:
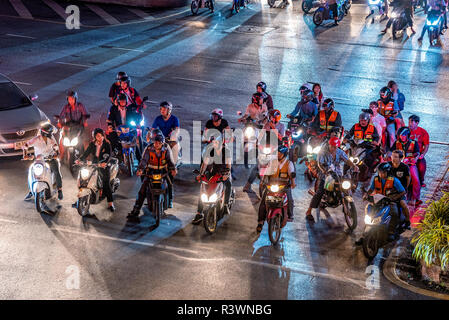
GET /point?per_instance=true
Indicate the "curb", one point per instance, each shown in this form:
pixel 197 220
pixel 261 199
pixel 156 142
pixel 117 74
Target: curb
pixel 389 270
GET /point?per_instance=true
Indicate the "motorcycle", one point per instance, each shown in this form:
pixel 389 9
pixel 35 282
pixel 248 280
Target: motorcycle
pixel 197 4
pixel 128 139
pixel 276 203
pixel 400 23
pixel 297 130
pixel 277 3
pixel 433 28
pixel 70 138
pixel 212 196
pixel 41 182
pixel 376 4
pixel 157 195
pixel 90 185
pixel 308 5
pixel 337 192
pixel 250 136
pixel 377 221
pixel 323 13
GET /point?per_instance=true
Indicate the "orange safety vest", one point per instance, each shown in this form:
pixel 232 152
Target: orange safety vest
pixel 411 147
pixel 385 109
pixel 389 185
pixel 282 172
pixel 156 162
pixel 325 123
pixel 366 135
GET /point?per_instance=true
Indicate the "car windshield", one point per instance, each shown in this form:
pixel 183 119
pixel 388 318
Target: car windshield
pixel 11 97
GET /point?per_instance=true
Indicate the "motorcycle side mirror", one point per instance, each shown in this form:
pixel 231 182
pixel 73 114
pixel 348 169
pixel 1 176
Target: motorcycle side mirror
pixel 33 97
pixel 145 98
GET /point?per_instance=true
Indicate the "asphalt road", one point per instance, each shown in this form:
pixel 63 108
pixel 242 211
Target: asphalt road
pixel 200 63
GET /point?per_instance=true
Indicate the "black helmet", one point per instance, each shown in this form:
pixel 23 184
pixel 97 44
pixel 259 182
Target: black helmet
pixel 72 93
pixel 166 104
pixel 120 74
pixel 404 131
pixel 384 167
pixel 328 103
pixel 96 131
pixel 47 130
pixel 122 97
pixel 414 117
pixel 256 96
pixel 262 85
pixel 159 137
pixel 303 87
pixel 364 116
pixel 126 79
pixel 385 94
pixel 307 95
pixel 283 149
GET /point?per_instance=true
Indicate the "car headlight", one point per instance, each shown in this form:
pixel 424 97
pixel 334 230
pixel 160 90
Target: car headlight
pixel 317 149
pixel 84 173
pixel 274 188
pixel 133 123
pixel 368 219
pixel 309 149
pixel 38 169
pixel 249 132
pixel 346 184
pixel 66 142
pixel 266 151
pixel 74 142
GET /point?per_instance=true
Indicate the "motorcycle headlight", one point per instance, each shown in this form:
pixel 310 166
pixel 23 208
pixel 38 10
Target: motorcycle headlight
pixel 74 142
pixel 142 122
pixel 84 173
pixel 266 151
pixel 317 149
pixel 435 22
pixel 394 15
pixel 297 134
pixel 274 188
pixel 249 132
pixel 309 149
pixel 429 23
pixel 133 123
pixel 354 160
pixel 368 219
pixel 38 169
pixel 66 142
pixel 346 184
pixel 213 198
pixel 204 197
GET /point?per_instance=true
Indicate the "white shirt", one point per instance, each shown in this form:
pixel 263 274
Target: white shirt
pixel 379 122
pixel 43 149
pixel 122 114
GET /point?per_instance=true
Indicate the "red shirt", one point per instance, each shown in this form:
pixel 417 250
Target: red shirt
pixel 421 136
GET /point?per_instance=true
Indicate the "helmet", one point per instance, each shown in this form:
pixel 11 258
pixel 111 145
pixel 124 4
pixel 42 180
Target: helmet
pixel 218 112
pixel 404 131
pixel 122 96
pixel 385 93
pixel 364 116
pixel 384 167
pixel 152 133
pixel 275 114
pixel 328 104
pixel 120 74
pixel 47 130
pixel 96 131
pixel 166 104
pixel 126 79
pixel 72 93
pixel 262 85
pixel 256 97
pixel 307 95
pixel 159 137
pixel 334 141
pixel 414 117
pixel 304 87
pixel 283 149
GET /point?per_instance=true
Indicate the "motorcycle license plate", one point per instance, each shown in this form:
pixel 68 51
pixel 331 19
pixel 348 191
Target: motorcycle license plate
pixel 19 145
pixel 157 176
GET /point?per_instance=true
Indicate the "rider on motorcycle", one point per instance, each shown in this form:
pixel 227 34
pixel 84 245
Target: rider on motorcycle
pixel 116 87
pixel 306 108
pixel 332 155
pixel 387 109
pixel 261 87
pixel 156 156
pixel 119 112
pixel 100 150
pixel 390 187
pixel 327 118
pixel 376 119
pixel 45 145
pixel 411 149
pixel 217 161
pixel 398 7
pixel 437 8
pixel 216 122
pixel 256 110
pixel 285 173
pixel 166 122
pixel 401 171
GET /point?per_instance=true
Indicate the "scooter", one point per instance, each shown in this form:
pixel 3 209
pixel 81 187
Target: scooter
pixel 276 202
pixel 128 139
pixel 297 130
pixel 434 27
pixel 197 4
pixel 250 136
pixel 400 23
pixel 157 194
pixel 91 186
pixel 323 13
pixel 377 221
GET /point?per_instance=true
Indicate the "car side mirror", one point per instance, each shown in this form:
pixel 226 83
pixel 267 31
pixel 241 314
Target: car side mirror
pixel 33 97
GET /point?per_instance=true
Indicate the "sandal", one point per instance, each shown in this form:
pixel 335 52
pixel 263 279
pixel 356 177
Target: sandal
pixel 259 228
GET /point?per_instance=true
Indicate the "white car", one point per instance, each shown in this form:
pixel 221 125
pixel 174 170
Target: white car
pixel 20 118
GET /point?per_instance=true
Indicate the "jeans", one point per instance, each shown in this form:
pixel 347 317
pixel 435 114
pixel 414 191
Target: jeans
pixel 263 209
pixel 414 189
pixel 394 212
pixel 422 166
pixel 254 173
pixel 334 9
pixel 227 190
pixel 105 176
pixel 55 167
pixel 316 199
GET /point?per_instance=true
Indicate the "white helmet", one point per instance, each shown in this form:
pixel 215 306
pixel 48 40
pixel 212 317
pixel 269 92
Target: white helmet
pixel 218 112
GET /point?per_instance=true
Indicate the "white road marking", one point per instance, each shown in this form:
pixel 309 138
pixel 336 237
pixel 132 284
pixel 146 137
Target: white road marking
pixel 9 221
pixel 439 142
pixel 74 64
pixel 195 80
pixel 337 98
pixel 19 36
pixel 24 83
pixel 56 7
pixel 21 9
pixel 141 13
pixel 103 14
pixel 119 48
pixel 239 62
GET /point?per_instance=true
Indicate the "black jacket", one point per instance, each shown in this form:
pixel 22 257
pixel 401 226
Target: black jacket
pixel 115 118
pixel 92 149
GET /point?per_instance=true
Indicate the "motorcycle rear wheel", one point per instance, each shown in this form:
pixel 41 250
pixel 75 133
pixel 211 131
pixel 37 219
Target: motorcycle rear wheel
pixel 350 212
pixel 210 220
pixel 274 229
pixel 83 205
pixel 318 18
pixel 305 6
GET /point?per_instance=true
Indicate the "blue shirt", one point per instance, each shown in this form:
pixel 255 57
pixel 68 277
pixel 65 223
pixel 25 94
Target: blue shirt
pixel 306 110
pixel 397 185
pixel 166 126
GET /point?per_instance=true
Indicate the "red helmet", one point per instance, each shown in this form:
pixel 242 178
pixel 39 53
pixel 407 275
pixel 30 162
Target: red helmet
pixel 276 114
pixel 334 141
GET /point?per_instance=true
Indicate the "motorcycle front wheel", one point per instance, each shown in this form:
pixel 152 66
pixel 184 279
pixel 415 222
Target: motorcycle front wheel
pixel 350 214
pixel 306 6
pixel 194 7
pixel 318 18
pixel 274 229
pixel 210 220
pixel 271 3
pixel 39 201
pixel 370 245
pixel 83 205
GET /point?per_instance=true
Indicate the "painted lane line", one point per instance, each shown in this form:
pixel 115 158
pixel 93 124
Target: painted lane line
pixel 103 14
pixel 19 36
pixel 101 236
pixel 194 80
pixel 140 13
pixel 9 221
pixel 23 83
pixel 57 8
pixel 21 9
pixel 74 64
pixel 118 48
pixel 239 62
pixel 439 142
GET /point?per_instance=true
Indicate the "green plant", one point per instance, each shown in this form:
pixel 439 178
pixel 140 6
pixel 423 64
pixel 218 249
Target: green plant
pixel 432 242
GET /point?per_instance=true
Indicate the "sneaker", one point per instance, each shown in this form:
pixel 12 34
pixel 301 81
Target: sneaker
pixel 111 208
pixel 384 31
pixel 28 196
pixel 226 209
pixel 335 23
pixel 198 218
pixel 133 216
pixel 310 218
pixel 60 195
pixel 290 219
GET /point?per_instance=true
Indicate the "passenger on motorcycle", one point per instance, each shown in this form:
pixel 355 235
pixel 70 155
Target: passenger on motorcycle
pixel 256 110
pixel 437 8
pixel 45 146
pixel 306 108
pixel 422 137
pixel 318 95
pixel 116 87
pixel 113 138
pixel 411 149
pixel 156 156
pixel 333 6
pixel 217 161
pixel 131 93
pixel 390 187
pixel 401 171
pixel 118 113
pixel 261 87
pixel 327 118
pixel 398 98
pixel 332 155
pixel 388 110
pixel 376 119
pixel 285 173
pixel 100 150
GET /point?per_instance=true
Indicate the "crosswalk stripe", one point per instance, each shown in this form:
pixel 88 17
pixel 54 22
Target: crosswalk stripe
pixel 21 9
pixel 141 13
pixel 56 7
pixel 106 16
